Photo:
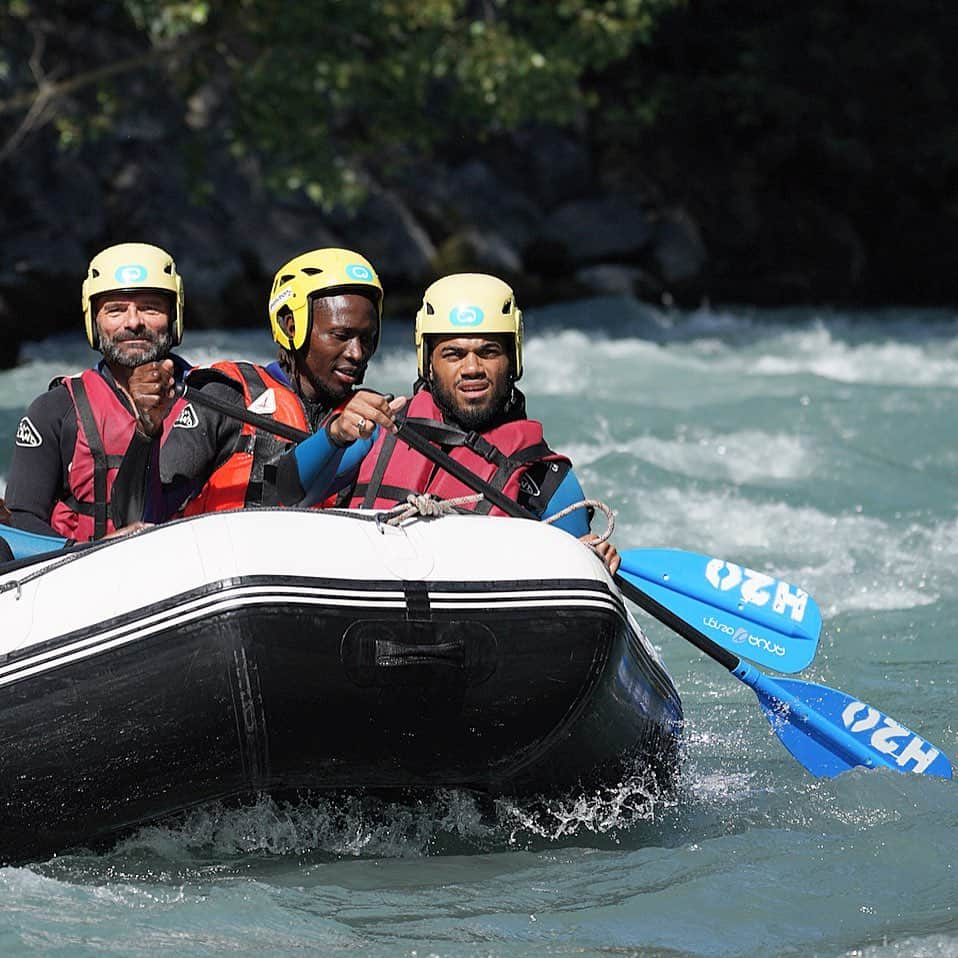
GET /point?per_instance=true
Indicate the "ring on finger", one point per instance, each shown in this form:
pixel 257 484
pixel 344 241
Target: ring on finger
pixel 360 424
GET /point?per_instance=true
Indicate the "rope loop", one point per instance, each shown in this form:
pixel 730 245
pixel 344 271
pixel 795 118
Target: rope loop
pixel 590 504
pixel 425 505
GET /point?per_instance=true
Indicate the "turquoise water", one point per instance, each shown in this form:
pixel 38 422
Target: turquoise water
pixel 818 447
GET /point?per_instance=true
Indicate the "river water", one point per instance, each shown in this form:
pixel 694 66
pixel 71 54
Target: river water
pixel 816 446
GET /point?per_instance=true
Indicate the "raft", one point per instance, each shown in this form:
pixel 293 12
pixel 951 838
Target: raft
pixel 281 652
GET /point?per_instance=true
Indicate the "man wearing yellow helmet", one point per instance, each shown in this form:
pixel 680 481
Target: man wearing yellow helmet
pixel 325 311
pixel 69 444
pixel 469 354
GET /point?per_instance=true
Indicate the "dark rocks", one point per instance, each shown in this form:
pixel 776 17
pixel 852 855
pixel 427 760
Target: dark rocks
pixel 594 229
pixel 475 251
pixel 526 207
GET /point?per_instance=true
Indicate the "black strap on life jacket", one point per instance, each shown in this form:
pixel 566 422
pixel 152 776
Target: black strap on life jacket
pixel 374 486
pixel 507 465
pixel 263 445
pixel 100 507
pixel 446 434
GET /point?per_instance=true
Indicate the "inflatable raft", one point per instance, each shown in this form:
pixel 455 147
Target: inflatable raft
pixel 280 651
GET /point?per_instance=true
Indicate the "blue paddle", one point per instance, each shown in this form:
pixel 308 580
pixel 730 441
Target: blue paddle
pixel 28 544
pixel 746 612
pixel 828 731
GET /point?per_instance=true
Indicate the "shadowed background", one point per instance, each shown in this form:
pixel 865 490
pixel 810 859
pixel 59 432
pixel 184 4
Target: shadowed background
pixel 679 152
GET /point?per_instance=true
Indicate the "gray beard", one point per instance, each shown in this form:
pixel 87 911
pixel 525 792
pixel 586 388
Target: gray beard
pixel 161 344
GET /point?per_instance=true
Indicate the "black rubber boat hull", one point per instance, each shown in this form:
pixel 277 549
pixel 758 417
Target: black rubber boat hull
pixel 270 684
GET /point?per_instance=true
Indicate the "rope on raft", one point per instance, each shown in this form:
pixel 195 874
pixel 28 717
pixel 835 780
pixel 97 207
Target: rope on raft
pixel 423 505
pixel 589 504
pixel 428 506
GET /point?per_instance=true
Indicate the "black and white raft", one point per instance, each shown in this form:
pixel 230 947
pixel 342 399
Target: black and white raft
pixel 279 651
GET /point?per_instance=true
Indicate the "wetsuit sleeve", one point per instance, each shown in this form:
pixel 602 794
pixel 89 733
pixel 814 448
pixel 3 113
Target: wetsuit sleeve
pixel 42 452
pixel 568 492
pixel 201 442
pixel 318 467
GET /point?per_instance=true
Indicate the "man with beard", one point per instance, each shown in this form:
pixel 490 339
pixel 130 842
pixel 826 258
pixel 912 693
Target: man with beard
pixel 469 351
pixel 70 443
pixel 325 312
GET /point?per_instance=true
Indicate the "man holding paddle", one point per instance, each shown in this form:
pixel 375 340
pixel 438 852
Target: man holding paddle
pixel 469 354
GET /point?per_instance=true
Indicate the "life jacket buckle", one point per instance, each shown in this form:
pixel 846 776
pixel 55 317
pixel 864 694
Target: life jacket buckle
pixel 482 447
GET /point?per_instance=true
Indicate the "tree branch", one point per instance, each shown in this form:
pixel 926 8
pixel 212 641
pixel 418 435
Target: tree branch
pixel 41 103
pixel 56 90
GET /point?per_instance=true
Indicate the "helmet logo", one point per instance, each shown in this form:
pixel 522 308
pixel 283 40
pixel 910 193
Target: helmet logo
pixel 280 298
pixel 466 316
pixel 361 273
pixel 130 274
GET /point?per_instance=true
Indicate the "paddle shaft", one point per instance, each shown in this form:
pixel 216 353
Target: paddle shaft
pixel 242 414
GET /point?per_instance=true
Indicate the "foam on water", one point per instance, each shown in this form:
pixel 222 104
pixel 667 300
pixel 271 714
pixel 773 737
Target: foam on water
pixel 365 826
pixel 819 351
pixel 722 456
pixel 848 561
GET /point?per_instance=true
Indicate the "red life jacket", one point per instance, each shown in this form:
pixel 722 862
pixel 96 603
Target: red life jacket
pixel 104 430
pixel 501 456
pixel 248 477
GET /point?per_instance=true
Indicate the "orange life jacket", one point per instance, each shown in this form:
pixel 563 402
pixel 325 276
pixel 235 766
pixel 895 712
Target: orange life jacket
pixel 501 456
pixel 248 477
pixel 104 430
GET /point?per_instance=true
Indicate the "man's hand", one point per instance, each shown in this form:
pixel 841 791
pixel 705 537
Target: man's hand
pixel 364 411
pixel 151 389
pixel 605 551
pixel 126 530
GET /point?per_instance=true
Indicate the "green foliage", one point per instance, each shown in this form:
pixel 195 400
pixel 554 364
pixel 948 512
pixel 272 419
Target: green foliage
pixel 320 92
pixel 163 21
pixel 328 88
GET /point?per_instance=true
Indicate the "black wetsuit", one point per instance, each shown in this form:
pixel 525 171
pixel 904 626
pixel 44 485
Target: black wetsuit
pixel 43 450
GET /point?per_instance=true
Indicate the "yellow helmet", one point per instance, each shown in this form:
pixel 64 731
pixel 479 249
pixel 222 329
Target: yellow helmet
pixel 467 303
pixel 130 267
pixel 326 271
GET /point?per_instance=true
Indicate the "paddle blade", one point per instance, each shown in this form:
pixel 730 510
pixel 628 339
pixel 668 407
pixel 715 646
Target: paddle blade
pixel 748 613
pixel 830 732
pixel 25 545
